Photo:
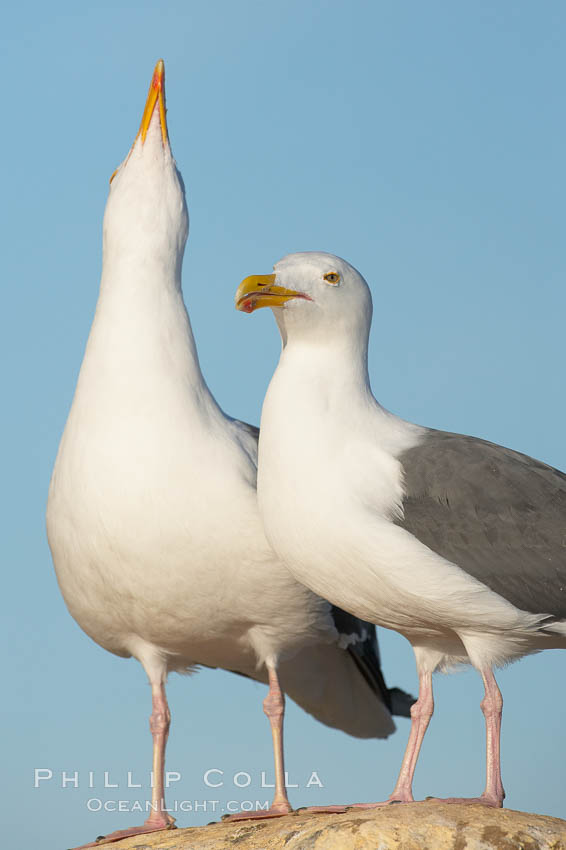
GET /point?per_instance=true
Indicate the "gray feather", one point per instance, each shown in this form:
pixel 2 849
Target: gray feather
pixel 498 514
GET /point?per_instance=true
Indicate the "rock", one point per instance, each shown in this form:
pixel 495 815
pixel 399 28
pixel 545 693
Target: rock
pixel 429 825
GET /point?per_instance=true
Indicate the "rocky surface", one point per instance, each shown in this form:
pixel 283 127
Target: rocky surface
pixel 415 826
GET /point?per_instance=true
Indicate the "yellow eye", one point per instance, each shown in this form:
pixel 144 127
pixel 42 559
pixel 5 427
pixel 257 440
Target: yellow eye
pixel 332 277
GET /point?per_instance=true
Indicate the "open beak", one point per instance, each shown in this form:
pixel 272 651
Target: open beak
pixel 155 98
pixel 259 290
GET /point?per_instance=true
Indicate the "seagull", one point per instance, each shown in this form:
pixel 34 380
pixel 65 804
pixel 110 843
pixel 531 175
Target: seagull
pixel 454 542
pixel 152 515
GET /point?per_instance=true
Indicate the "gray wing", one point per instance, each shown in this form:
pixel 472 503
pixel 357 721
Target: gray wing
pixel 498 514
pixel 361 639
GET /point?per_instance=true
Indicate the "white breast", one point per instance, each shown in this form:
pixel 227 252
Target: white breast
pixel 152 515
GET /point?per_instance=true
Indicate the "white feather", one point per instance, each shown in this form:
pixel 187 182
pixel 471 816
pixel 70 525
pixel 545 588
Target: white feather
pixel 152 515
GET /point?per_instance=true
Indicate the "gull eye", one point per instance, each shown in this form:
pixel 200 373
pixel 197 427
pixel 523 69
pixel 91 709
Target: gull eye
pixel 113 175
pixel 333 278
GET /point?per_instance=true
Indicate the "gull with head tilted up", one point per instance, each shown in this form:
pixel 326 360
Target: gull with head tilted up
pixel 152 515
pixel 456 543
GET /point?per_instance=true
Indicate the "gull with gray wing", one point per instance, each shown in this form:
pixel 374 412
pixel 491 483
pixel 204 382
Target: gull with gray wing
pixel 456 543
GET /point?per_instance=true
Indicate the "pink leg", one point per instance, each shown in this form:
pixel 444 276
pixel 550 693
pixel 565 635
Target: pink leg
pixel 274 708
pixel 421 712
pixel 491 706
pixel 159 723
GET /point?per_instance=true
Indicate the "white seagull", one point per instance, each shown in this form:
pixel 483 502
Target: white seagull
pixel 456 543
pixel 152 516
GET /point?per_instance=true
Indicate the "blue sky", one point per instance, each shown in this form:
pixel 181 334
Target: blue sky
pixel 422 142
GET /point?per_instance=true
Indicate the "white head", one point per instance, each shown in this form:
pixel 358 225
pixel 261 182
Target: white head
pixel 313 295
pixel 146 220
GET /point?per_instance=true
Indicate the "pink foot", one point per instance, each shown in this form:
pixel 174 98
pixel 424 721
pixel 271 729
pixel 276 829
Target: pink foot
pixel 322 809
pixel 379 805
pixel 484 800
pixel 147 827
pixel 274 812
pixel 390 802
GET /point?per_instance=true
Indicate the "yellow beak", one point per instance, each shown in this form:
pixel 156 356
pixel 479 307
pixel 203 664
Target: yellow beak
pixel 156 95
pixel 259 290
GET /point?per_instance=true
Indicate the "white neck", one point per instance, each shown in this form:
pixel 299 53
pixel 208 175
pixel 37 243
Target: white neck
pixel 141 345
pixel 321 392
pixel 334 372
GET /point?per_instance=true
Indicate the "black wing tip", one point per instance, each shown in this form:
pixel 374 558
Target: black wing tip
pixel 364 652
pixel 400 702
